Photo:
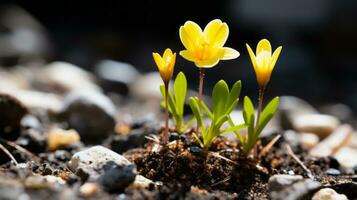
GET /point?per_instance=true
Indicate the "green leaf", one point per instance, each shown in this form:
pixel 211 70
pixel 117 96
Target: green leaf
pixel 219 98
pixel 180 90
pixel 231 107
pixel 248 110
pixel 238 134
pixel 206 109
pixel 221 120
pixel 267 114
pixel 234 93
pixel 196 111
pixel 234 128
pixel 189 123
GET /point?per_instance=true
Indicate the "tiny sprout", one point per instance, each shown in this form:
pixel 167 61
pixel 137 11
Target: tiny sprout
pixel 223 103
pixel 176 102
pixel 165 64
pixel 205 48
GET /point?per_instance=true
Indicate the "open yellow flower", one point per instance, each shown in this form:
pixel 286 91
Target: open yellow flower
pixel 205 48
pixel 165 64
pixel 263 61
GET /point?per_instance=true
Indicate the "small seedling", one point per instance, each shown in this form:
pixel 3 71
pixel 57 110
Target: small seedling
pixel 176 102
pixel 223 103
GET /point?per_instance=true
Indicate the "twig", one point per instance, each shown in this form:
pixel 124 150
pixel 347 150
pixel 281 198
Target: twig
pixel 21 149
pixel 8 154
pixel 153 138
pixel 222 181
pixel 292 154
pixel 223 158
pixel 267 147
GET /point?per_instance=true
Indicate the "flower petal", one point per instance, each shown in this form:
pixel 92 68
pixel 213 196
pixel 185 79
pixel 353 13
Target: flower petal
pixel 263 45
pixel 274 58
pixel 216 33
pixel 190 33
pixel 167 54
pixel 230 53
pixel 186 54
pixel 159 61
pixel 207 63
pixel 252 57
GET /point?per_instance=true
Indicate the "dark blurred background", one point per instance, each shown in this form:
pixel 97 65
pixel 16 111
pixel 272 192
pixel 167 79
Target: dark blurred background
pixel 319 38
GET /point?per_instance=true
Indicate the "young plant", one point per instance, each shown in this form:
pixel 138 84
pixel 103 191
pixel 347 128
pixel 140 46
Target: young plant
pixel 205 48
pixel 176 102
pixel 263 63
pixel 223 103
pixel 166 65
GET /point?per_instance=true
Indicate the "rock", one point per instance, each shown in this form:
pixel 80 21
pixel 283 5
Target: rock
pixel 195 150
pixel 30 121
pixel 298 190
pixel 328 194
pixel 136 138
pixel 11 113
pixel 321 125
pixel 93 159
pixel 33 140
pixel 308 140
pixel 117 177
pixel 141 182
pixel 88 189
pixel 90 113
pixel 116 76
pixel 67 77
pixel 146 87
pixel 40 182
pixel 11 189
pixel 59 138
pixel 281 181
pixel 341 111
pixel 290 107
pixel 347 157
pixel 353 142
pixel 330 145
pixel 333 172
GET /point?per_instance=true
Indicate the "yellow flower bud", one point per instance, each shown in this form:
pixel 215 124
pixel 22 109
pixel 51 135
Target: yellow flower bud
pixel 165 64
pixel 263 61
pixel 205 48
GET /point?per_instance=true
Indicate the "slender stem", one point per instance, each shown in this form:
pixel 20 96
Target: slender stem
pixel 260 104
pixel 166 132
pixel 200 90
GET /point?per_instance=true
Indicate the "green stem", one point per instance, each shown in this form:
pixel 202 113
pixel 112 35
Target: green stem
pixel 200 91
pixel 260 104
pixel 166 132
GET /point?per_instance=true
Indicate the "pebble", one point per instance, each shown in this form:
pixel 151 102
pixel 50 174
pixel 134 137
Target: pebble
pixel 308 140
pixel 33 140
pixel 92 160
pixel 298 190
pixel 321 125
pixel 90 113
pixel 30 121
pixel 333 172
pixel 88 189
pixel 195 150
pixel 141 182
pixel 330 145
pixel 347 157
pixel 11 113
pixel 117 177
pixel 280 181
pixel 59 138
pixel 146 87
pixel 67 77
pixel 40 182
pixel 328 194
pixel 116 76
pixel 341 111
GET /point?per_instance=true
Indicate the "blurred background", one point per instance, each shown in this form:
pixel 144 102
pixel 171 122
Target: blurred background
pixel 318 62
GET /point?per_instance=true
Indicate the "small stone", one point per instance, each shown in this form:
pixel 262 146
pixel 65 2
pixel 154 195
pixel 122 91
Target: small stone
pixel 330 145
pixel 117 177
pixel 346 156
pixel 280 181
pixel 67 77
pixel 308 140
pixel 39 100
pixel 334 163
pixel 88 189
pixel 41 182
pixel 11 113
pixel 328 194
pixel 195 150
pixel 33 140
pixel 321 125
pixel 59 138
pixel 333 172
pixel 341 111
pixel 146 87
pixel 91 113
pixel 174 136
pixel 141 182
pixel 298 190
pixel 116 76
pixel 93 159
pixel 30 121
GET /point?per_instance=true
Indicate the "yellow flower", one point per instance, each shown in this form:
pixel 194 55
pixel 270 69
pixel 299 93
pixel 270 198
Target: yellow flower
pixel 165 64
pixel 263 62
pixel 205 48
